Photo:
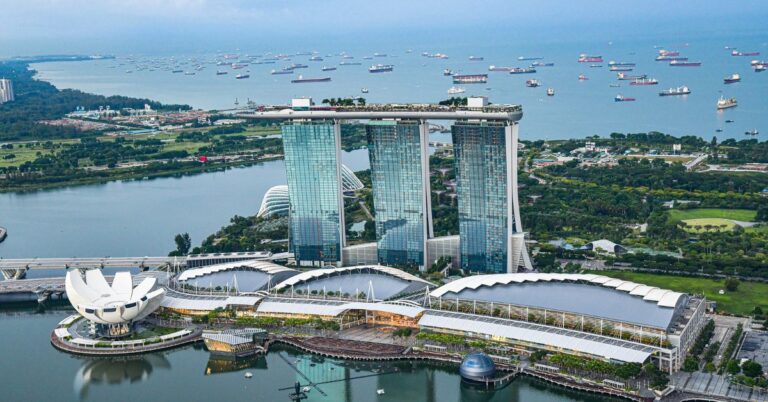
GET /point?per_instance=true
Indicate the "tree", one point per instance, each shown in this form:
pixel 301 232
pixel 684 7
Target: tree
pixel 691 364
pixel 733 367
pixel 757 311
pixel 732 284
pixel 752 369
pixel 183 243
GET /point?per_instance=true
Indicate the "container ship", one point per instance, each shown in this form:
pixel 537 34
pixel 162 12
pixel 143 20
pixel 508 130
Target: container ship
pixel 675 91
pixel 732 78
pixel 625 77
pixel 680 63
pixel 380 68
pixel 302 80
pixel 724 103
pixel 476 58
pixel 516 70
pixel 735 53
pixel 621 98
pixel 644 81
pixel 584 58
pixel 470 79
pixel 671 58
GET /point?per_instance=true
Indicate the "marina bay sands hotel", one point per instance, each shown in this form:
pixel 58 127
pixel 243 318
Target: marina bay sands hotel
pixel 485 137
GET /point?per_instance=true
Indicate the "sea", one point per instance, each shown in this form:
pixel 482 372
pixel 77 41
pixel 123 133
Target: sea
pixel 579 108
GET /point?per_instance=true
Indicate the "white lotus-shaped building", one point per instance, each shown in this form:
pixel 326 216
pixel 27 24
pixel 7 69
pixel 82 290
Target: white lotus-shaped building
pixel 120 303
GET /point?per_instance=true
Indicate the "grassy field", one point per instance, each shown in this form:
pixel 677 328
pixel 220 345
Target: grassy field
pixel 746 215
pixel 740 302
pixel 716 223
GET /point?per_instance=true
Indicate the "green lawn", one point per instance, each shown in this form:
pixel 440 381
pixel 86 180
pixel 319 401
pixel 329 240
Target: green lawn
pixel 715 224
pixel 746 215
pixel 740 302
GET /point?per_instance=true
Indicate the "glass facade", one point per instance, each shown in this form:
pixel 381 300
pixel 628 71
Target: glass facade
pixel 481 186
pixel 312 169
pixel 397 176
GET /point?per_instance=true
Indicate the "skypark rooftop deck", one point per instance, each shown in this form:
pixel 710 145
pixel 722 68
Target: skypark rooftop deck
pixel 389 111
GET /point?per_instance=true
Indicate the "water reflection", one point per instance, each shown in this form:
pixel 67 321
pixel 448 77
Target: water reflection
pixel 220 364
pixel 113 371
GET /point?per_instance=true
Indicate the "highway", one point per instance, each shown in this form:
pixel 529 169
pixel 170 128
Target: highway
pixel 98 262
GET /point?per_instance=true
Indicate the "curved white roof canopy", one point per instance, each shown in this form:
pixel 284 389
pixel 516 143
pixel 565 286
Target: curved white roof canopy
pixel 99 302
pixel 325 272
pixel 478 287
pixel 253 265
pixel 329 308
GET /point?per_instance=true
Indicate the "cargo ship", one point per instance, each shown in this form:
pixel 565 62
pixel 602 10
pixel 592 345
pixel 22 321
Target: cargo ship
pixel 470 79
pixel 278 72
pixel 476 58
pixel 350 63
pixel 381 68
pixel 242 76
pixel 315 58
pixel 302 80
pixel 621 64
pixel 675 91
pixel 379 55
pixel 735 53
pixel 681 63
pixel 456 90
pixel 328 69
pixel 671 58
pixel 237 66
pixel 542 64
pixel 532 83
pixel 644 82
pixel 296 66
pixel 663 52
pixel 625 77
pixel 621 98
pixel 177 71
pixel 528 70
pixel 523 58
pixel 724 103
pixel 584 58
pixel 620 68
pixel 221 72
pixel 732 78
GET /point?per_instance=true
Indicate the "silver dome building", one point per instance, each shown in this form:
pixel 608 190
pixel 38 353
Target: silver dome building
pixel 477 367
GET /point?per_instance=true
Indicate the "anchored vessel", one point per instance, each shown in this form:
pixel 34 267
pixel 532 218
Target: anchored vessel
pixel 621 98
pixel 301 80
pixel 585 58
pixel 724 103
pixel 681 63
pixel 643 82
pixel 626 77
pixel 470 78
pixel 732 78
pixel 528 70
pixel 381 68
pixel 675 91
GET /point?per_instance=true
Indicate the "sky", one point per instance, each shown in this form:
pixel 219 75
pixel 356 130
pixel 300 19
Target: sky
pixel 153 26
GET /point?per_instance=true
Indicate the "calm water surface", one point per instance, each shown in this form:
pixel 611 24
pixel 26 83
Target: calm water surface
pixel 187 374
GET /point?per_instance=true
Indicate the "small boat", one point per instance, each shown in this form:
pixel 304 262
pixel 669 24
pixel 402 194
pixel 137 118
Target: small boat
pixel 752 132
pixel 595 66
pixel 248 374
pixel 550 92
pixel 614 85
pixel 732 78
pixel 305 389
pixel 532 83
pixel 719 130
pixel 476 58
pixel 724 103
pixel 364 90
pixel 582 77
pixel 447 72
pixel 729 121
pixel 456 90
pixel 189 73
pixel 621 98
pixel 759 68
pixel 177 71
pixel 242 76
pixel 380 391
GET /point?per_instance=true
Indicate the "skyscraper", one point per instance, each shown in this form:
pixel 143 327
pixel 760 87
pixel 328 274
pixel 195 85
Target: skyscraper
pixel 401 195
pixel 486 185
pixel 6 90
pixel 313 169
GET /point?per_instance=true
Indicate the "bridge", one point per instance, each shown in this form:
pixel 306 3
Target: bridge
pixel 42 289
pixel 16 268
